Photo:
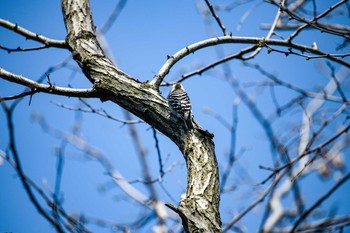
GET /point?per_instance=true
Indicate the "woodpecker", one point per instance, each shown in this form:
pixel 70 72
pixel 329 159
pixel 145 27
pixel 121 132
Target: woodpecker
pixel 180 104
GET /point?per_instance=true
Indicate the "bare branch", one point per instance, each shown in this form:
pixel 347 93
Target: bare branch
pixel 216 17
pixel 19 169
pixel 339 89
pixel 302 91
pixel 161 171
pixel 232 154
pixel 158 208
pixel 314 144
pixel 19 49
pixel 112 18
pixel 100 112
pixel 328 224
pixel 267 191
pixel 50 89
pixel 271 31
pixel 319 201
pixel 290 26
pixel 81 144
pixel 33 36
pixel 238 55
pixel 314 150
pixel 260 42
pixel 313 23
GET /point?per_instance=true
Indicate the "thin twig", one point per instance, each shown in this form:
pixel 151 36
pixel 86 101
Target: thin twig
pixel 100 112
pixel 319 201
pixel 161 171
pixel 267 191
pixel 216 17
pixel 19 169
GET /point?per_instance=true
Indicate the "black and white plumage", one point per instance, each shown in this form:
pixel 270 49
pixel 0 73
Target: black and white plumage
pixel 180 104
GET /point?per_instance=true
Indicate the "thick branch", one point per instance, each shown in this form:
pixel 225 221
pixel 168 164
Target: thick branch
pixel 202 199
pixel 199 210
pixel 139 98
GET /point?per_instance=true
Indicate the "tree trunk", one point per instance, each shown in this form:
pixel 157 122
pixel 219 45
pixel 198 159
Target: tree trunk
pixel 199 210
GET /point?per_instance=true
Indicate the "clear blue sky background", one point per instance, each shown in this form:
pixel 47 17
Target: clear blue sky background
pixel 140 40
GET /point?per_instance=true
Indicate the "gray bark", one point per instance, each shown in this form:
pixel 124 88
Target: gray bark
pixel 199 210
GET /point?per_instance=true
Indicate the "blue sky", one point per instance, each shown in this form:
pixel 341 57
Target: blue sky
pixel 140 40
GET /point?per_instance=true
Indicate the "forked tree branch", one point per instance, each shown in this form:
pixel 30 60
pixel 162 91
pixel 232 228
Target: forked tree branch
pixel 305 51
pixel 17 162
pixel 200 208
pixel 314 23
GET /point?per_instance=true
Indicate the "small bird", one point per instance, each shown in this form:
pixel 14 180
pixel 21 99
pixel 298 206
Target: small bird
pixel 180 104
